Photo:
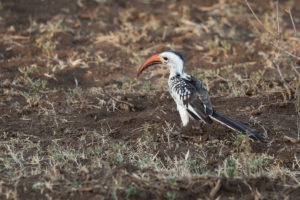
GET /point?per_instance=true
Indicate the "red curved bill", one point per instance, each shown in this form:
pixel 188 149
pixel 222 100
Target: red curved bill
pixel 153 60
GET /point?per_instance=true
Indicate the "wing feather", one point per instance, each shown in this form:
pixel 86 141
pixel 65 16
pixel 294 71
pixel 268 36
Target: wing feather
pixel 193 96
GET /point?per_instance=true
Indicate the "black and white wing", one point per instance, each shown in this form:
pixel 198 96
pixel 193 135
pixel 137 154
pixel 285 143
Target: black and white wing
pixel 195 100
pixel 202 94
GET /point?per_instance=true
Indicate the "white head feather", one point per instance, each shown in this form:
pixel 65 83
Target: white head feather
pixel 174 61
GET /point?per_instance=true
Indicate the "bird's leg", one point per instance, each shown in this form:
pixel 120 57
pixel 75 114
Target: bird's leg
pixel 199 127
pixel 184 119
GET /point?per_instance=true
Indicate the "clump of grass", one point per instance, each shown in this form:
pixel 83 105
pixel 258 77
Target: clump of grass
pixel 73 185
pixel 35 86
pixel 226 46
pixel 131 191
pixel 171 195
pixel 172 181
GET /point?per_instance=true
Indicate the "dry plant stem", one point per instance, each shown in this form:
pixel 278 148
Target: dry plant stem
pixel 293 23
pixel 298 127
pixel 298 108
pixel 54 113
pixel 271 34
pixel 215 190
pixel 117 100
pixel 277 18
pixel 284 51
pixel 286 85
pixel 257 19
pixel 295 70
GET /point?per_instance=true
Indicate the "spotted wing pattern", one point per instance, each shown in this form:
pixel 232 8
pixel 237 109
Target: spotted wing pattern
pixel 188 94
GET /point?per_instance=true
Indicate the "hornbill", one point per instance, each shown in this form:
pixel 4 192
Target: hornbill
pixel 191 97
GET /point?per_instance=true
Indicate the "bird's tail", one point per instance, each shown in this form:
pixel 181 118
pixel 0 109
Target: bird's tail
pixel 223 119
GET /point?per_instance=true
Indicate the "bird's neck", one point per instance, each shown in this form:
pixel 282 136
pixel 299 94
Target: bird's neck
pixel 181 74
pixel 174 73
pixel 176 70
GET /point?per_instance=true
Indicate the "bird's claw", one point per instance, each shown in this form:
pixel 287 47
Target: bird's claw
pixel 198 128
pixel 177 132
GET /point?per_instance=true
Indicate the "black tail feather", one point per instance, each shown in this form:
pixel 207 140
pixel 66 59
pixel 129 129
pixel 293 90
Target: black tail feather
pixel 235 125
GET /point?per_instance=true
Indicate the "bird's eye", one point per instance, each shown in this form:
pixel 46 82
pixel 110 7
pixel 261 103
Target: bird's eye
pixel 165 58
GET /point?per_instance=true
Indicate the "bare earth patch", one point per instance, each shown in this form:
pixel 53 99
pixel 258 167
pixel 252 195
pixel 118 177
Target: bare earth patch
pixel 76 123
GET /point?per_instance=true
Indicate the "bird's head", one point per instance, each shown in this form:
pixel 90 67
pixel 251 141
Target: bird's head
pixel 172 59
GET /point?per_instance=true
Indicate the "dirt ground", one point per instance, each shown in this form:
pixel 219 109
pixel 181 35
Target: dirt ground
pixel 76 123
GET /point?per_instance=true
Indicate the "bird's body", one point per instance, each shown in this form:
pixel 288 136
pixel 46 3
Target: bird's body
pixel 185 93
pixel 191 97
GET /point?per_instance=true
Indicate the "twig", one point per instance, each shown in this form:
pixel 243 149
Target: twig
pixel 293 23
pixel 277 18
pixel 292 140
pixel 282 78
pixel 117 100
pixel 270 33
pixel 257 19
pixel 285 51
pixel 294 68
pixel 256 29
pixel 298 127
pixel 54 114
pixel 215 190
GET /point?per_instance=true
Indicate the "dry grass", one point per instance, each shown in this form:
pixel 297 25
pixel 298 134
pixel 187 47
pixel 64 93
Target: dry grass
pixel 86 134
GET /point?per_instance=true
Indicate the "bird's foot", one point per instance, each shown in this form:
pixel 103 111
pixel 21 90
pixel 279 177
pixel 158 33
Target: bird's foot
pixel 177 132
pixel 198 128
